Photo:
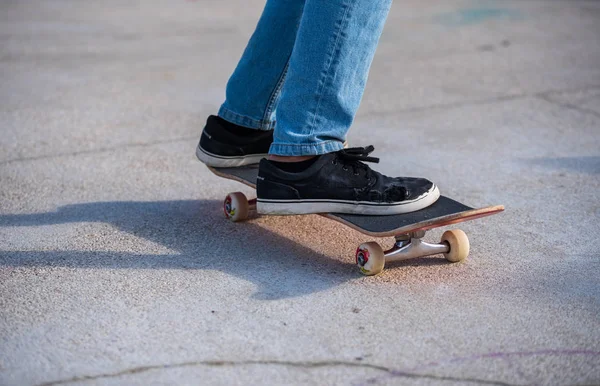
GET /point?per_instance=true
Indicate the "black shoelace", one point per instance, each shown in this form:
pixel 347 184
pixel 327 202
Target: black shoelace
pixel 353 155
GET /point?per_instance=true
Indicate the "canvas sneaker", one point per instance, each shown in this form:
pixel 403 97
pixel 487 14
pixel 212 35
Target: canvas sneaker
pixel 339 182
pixel 224 144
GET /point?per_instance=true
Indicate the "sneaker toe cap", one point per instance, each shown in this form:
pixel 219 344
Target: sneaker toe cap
pixel 415 187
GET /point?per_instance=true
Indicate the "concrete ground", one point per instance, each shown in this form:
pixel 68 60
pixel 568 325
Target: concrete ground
pixel 117 266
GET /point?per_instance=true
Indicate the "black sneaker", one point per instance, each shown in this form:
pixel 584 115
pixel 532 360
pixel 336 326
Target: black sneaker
pixel 224 144
pixel 340 183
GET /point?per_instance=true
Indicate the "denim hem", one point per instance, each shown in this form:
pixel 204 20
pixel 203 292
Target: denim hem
pixel 243 120
pixel 290 149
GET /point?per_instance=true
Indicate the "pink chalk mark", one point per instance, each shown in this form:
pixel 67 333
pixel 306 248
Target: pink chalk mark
pixel 496 355
pixel 506 355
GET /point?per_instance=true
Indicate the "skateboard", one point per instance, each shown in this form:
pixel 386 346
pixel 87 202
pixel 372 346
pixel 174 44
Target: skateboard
pixel 407 229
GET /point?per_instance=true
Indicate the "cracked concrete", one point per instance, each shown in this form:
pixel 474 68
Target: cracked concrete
pixel 101 150
pixel 117 267
pixel 303 365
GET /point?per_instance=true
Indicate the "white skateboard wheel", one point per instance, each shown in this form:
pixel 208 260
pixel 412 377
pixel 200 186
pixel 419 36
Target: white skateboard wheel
pixel 370 258
pixel 236 207
pixel 458 242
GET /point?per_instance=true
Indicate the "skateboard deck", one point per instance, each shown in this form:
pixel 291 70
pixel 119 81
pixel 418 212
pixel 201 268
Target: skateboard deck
pixel 444 211
pixel 408 228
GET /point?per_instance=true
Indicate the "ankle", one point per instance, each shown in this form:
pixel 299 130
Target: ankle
pixel 237 129
pixel 295 164
pixel 280 158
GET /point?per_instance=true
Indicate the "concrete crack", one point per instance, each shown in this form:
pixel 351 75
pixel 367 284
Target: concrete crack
pixel 440 106
pixel 501 98
pixel 546 97
pixel 98 150
pixel 302 364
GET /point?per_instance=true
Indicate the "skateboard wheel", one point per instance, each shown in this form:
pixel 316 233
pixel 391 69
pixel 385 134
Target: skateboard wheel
pixel 458 242
pixel 236 207
pixel 370 258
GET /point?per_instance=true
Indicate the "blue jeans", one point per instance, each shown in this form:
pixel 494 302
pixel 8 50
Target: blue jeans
pixel 304 71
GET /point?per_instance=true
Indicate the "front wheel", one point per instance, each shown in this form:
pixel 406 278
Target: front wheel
pixel 458 242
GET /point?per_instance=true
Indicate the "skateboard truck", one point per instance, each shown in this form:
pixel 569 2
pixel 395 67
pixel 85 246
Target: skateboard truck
pixel 371 258
pixel 411 246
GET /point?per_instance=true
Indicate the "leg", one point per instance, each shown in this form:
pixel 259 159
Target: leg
pixel 326 77
pixel 253 89
pixel 327 74
pixel 242 133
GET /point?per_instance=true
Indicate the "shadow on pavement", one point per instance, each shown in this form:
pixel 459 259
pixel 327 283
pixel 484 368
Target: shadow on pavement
pixel 200 237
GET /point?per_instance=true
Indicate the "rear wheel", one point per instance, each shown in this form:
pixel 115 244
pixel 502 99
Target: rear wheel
pixel 370 258
pixel 236 207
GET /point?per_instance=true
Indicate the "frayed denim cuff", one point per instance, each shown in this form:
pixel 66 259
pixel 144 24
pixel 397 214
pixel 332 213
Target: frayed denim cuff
pixel 245 121
pixel 289 149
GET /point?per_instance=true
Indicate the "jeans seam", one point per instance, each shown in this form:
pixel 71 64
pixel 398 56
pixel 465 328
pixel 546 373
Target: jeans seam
pixel 326 74
pixel 275 93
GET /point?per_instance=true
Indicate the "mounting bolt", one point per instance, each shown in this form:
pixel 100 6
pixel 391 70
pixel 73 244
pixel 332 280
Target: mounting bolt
pixel 403 237
pixel 418 234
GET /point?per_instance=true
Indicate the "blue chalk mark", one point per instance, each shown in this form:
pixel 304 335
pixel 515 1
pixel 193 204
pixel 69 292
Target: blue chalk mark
pixel 471 16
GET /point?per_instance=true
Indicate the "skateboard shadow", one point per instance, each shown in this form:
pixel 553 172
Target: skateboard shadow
pixel 199 237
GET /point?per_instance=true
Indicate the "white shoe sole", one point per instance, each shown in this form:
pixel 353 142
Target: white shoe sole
pixel 227 162
pixel 291 207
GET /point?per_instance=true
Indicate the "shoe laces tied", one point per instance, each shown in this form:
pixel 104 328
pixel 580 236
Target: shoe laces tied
pixel 354 155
